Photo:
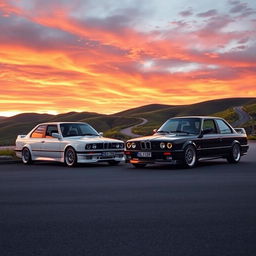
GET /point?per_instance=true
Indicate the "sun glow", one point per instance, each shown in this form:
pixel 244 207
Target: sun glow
pixel 53 60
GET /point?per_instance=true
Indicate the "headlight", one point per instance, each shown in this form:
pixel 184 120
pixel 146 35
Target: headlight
pixel 133 145
pixel 128 145
pixel 117 145
pixel 94 146
pixel 121 145
pixel 162 145
pixel 169 145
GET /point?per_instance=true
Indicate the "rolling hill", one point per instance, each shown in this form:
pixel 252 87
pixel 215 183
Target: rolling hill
pixel 111 125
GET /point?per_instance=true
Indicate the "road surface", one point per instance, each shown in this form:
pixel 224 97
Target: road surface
pixel 243 116
pixel 128 131
pixel 48 209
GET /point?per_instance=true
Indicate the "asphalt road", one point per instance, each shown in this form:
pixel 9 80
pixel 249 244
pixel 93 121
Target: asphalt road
pixel 243 116
pixel 48 209
pixel 128 131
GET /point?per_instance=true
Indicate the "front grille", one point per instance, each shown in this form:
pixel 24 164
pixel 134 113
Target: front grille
pixel 107 145
pixel 145 145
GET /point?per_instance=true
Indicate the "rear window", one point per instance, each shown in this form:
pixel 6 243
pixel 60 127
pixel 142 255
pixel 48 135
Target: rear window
pixel 38 132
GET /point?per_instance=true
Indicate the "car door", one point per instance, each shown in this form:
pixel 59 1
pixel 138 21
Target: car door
pixel 50 145
pixel 226 135
pixel 210 142
pixel 35 141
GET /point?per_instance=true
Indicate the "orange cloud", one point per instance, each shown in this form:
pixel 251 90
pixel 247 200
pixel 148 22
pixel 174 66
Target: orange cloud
pixel 53 61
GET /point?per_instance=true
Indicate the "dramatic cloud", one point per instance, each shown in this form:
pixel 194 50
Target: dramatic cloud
pixel 107 56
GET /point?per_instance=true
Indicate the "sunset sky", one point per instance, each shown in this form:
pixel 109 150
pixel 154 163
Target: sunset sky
pixel 106 55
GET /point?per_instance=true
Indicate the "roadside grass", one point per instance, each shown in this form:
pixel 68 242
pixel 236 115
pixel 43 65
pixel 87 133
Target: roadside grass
pixel 229 114
pixel 7 152
pixel 252 137
pixel 251 110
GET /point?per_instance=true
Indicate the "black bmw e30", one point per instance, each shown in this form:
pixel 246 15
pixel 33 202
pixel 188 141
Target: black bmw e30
pixel 185 140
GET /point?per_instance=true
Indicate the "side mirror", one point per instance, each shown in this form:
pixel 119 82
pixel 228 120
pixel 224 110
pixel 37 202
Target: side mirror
pixel 101 134
pixel 155 131
pixel 56 135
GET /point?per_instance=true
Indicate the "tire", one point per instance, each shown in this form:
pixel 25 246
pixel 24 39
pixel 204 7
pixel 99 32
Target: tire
pixel 190 157
pixel 235 154
pixel 26 156
pixel 113 162
pixel 139 165
pixel 70 157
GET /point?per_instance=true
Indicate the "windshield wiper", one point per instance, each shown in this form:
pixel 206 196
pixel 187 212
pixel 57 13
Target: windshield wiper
pixel 179 131
pixel 163 132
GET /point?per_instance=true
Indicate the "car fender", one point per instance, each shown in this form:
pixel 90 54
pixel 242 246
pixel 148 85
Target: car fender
pixel 234 142
pixel 189 142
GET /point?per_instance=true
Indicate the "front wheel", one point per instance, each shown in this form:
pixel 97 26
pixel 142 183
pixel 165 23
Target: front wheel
pixel 70 157
pixel 235 154
pixel 190 157
pixel 26 156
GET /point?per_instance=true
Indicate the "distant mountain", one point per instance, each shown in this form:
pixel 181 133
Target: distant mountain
pixel 143 109
pixel 156 114
pixel 2 117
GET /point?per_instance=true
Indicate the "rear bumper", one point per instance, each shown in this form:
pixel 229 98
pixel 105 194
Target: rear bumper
pixel 244 149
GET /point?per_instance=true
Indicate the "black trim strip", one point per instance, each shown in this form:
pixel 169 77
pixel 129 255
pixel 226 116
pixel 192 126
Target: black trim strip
pixel 40 150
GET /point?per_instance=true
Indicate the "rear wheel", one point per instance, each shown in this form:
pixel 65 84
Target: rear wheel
pixel 139 165
pixel 70 157
pixel 190 157
pixel 113 162
pixel 26 156
pixel 235 154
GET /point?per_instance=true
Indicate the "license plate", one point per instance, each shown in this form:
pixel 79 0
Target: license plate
pixel 144 154
pixel 108 154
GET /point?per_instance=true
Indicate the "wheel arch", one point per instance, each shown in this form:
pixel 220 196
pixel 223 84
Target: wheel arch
pixel 30 150
pixel 235 142
pixel 187 143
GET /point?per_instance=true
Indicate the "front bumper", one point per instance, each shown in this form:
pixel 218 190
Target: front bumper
pixel 94 157
pixel 156 157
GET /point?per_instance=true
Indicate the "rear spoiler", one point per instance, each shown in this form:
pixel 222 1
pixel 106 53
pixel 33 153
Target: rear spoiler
pixel 240 130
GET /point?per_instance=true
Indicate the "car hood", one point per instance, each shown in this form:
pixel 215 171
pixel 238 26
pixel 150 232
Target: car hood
pixel 161 137
pixel 92 139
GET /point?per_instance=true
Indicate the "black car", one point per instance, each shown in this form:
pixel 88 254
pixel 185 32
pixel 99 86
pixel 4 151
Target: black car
pixel 185 140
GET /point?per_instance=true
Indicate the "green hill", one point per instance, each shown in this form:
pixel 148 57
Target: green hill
pixel 111 125
pixel 221 107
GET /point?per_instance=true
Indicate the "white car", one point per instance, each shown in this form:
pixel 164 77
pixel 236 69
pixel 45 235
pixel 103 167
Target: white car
pixel 69 143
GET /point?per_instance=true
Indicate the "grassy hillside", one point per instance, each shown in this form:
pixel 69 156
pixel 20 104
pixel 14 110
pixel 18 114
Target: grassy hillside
pixel 143 109
pixel 222 108
pixel 23 123
pixel 156 114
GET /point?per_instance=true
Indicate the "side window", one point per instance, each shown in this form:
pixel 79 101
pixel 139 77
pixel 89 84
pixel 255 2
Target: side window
pixel 224 128
pixel 210 124
pixel 38 132
pixel 51 129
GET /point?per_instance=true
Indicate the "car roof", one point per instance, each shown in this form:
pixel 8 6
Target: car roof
pixel 201 117
pixel 56 123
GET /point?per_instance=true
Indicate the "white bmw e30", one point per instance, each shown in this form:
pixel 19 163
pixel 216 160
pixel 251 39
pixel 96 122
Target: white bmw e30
pixel 69 143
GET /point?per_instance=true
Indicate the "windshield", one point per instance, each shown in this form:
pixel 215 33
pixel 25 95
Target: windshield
pixel 80 129
pixel 181 126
